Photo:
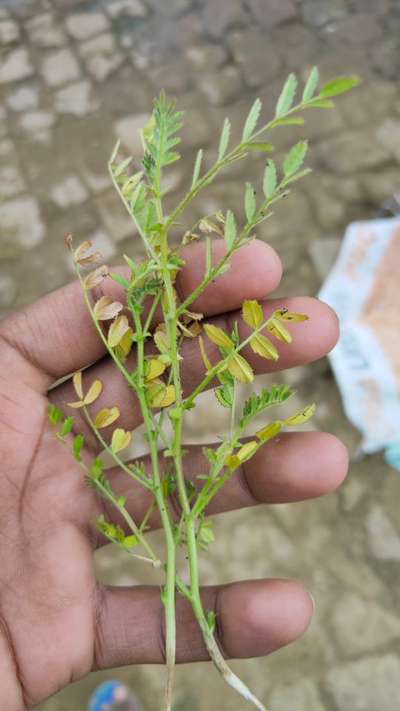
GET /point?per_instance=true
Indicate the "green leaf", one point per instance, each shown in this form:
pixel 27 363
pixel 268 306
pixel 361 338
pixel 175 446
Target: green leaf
pixel 311 84
pixel 77 446
pixel 205 535
pixel 290 121
pixel 256 404
pixel 96 468
pixel 55 415
pixel 261 147
pixel 250 203
pixel 119 169
pixel 252 119
pixel 320 104
pixel 285 101
pixel 67 426
pixel 120 280
pixel 295 158
pixel 211 620
pixel 339 85
pixel 230 232
pixel 224 395
pixel 270 179
pixel 224 140
pixel 197 167
pixel 297 176
pixel 130 542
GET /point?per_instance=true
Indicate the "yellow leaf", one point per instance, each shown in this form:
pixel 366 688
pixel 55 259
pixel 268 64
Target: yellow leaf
pixel 269 431
pixel 279 330
pixel 253 314
pixel 117 331
pixel 96 277
pixel 286 315
pixel 204 355
pixel 93 392
pixel 106 417
pixel 106 309
pixel 77 382
pixel 121 439
pixel 161 395
pixel 240 368
pixel 261 345
pixel 154 368
pixel 247 450
pixel 125 345
pixel 161 341
pixel 301 417
pixel 76 405
pixel 218 336
pixel 233 462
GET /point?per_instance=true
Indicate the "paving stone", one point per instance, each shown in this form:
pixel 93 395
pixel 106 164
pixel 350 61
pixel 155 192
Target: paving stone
pixel 357 29
pixel 388 134
pixel 170 8
pixel 21 223
pixel 373 100
pixel 365 685
pixel 9 32
pixel 319 12
pixel 258 59
pixel 23 98
pixel 8 289
pixel 60 67
pixel 11 181
pixel 76 99
pixel 385 57
pixel 360 626
pixel 197 129
pixel 127 130
pixel 324 253
pixel 83 25
pixel 70 191
pixel 383 539
pixel 371 6
pixel 38 125
pixel 380 185
pixel 129 8
pixel 44 31
pixel 221 87
pixel 16 66
pixel 172 77
pixel 352 151
pixel 206 56
pixel 220 15
pixel 270 13
pixel 299 45
pixel 302 696
pixel 101 56
pixel 116 221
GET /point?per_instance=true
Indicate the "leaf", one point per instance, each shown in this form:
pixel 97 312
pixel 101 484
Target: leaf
pixel 311 84
pixel 247 450
pixel 205 535
pixel 290 121
pixel 119 169
pixel 250 202
pixel 106 309
pixel 218 336
pixel 55 414
pixel 240 368
pixel 125 345
pixel 296 176
pixel 77 446
pixel 286 98
pixel 224 395
pixel 161 395
pixel 96 277
pixel 82 255
pixel 77 383
pixel 154 367
pixel 285 315
pixel 319 104
pixel 224 140
pixel 161 341
pixel 121 439
pixel 295 158
pixel 106 416
pixel 230 231
pixel 251 121
pixel 211 620
pixel 261 147
pixel 279 330
pixel 197 167
pixel 263 347
pixel 117 331
pixel 204 356
pixel 67 426
pixel 120 280
pixel 301 417
pixel 252 313
pixel 339 85
pixel 93 392
pixel 270 179
pixel 130 541
pixel 269 431
pixel 257 403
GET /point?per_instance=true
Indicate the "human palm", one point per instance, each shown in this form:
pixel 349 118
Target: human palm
pixel 57 623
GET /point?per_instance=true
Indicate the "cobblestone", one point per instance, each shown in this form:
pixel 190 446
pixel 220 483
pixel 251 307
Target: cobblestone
pixel 37 125
pixel 347 152
pixel 83 25
pixel 60 67
pixel 71 191
pixel 370 683
pixel 20 222
pixel 219 16
pixel 127 130
pixel 128 8
pixel 101 56
pixel 320 12
pixel 383 539
pixel 9 32
pixel 76 99
pixel 260 61
pixel 23 98
pixel 221 87
pixel 16 66
pixel 361 626
pixel 8 289
pixel 44 32
pixel 270 13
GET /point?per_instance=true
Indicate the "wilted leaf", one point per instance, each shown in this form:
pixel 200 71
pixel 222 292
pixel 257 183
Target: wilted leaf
pixel 106 416
pixel 218 336
pixel 96 277
pixel 124 346
pixel 82 255
pixel 252 312
pixel 269 431
pixel 117 330
pixel 106 309
pixel 93 392
pixel 279 330
pixel 204 355
pixel 120 440
pixel 285 315
pixel 301 417
pixel 263 347
pixel 161 395
pixel 154 368
pixel 247 450
pixel 161 341
pixel 240 368
pixel 77 383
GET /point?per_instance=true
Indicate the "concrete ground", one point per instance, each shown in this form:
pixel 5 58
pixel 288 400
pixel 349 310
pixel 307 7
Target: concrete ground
pixel 76 75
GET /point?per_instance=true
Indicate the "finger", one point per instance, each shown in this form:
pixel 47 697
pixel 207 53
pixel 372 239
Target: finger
pixel 292 467
pixel 253 619
pixel 312 339
pixel 57 335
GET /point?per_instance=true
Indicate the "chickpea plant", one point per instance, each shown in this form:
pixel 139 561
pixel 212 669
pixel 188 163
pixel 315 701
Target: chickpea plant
pixel 152 320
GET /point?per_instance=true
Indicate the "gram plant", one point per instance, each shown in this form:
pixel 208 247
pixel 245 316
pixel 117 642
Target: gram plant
pixel 144 333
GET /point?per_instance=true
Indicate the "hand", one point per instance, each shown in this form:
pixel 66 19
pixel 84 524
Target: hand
pixel 56 622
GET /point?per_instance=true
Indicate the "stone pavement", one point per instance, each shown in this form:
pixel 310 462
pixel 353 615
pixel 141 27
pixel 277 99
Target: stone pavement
pixel 76 75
